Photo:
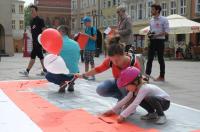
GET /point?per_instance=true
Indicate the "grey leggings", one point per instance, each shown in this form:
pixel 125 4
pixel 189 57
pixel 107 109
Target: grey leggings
pixel 155 104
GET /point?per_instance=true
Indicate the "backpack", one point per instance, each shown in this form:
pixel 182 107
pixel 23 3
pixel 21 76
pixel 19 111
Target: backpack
pixel 98 42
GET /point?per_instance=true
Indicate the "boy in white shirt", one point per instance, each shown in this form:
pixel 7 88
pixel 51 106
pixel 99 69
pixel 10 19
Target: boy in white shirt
pixel 150 97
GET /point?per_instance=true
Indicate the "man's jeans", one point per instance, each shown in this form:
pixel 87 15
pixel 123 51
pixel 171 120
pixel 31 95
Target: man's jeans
pixel 109 88
pixel 58 78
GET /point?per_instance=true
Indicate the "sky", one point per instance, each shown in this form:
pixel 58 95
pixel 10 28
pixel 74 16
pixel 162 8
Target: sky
pixel 27 2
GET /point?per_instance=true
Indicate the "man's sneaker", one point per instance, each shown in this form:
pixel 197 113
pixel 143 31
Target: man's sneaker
pixel 25 73
pixel 161 120
pixel 160 79
pixel 62 88
pixel 149 116
pixel 71 88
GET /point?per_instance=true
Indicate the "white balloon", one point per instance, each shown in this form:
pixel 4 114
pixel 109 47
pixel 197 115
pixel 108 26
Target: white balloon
pixel 55 64
pixel 39 39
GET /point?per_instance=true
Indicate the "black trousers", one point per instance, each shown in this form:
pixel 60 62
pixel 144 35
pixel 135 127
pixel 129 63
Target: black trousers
pixel 156 45
pixel 155 104
pixel 82 55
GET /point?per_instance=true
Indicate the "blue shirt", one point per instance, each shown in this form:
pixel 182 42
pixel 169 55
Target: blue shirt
pixel 71 54
pixel 91 45
pixel 158 25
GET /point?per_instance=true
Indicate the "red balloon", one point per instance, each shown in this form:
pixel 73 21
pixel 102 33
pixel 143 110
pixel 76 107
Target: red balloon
pixel 51 41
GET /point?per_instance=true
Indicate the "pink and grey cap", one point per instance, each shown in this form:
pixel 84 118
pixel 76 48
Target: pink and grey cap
pixel 127 76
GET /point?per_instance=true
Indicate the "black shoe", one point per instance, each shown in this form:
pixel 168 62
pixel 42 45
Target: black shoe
pixel 146 79
pixel 71 88
pixel 62 88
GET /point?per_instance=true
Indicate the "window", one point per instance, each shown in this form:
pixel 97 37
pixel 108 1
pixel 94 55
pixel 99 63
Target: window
pixel 13 24
pixel 109 3
pixel 119 1
pixel 114 20
pixel 180 37
pixel 173 7
pixel 21 9
pixel 132 11
pixel 114 2
pixel 197 6
pixel 88 3
pixel 13 8
pixel 74 4
pixel 148 10
pixel 182 7
pixel 164 9
pixel 21 24
pixel 73 23
pixel 104 4
pixel 139 11
pixel 81 4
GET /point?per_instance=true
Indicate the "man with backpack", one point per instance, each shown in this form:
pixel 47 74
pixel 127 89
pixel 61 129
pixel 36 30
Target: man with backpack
pixel 90 48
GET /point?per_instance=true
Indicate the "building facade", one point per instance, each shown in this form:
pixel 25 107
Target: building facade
pixel 104 14
pixel 54 12
pixel 17 24
pixel 81 8
pixel 195 16
pixel 6 41
pixel 108 16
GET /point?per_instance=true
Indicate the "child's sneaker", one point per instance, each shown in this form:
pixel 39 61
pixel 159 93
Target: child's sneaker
pixel 43 73
pixel 161 120
pixel 25 73
pixel 92 78
pixel 149 116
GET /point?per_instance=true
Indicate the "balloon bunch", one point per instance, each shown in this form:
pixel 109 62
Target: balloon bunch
pixel 51 40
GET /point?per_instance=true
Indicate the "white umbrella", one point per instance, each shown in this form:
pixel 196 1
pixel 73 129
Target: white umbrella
pixel 178 25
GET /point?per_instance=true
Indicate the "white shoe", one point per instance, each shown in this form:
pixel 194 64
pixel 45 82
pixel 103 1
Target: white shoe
pixel 161 120
pixel 25 73
pixel 149 116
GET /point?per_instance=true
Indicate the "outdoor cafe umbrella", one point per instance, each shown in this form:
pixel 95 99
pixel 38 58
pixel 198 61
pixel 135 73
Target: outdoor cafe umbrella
pixel 178 25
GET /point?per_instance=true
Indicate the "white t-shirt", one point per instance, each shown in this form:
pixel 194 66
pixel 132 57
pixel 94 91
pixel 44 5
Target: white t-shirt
pixel 145 90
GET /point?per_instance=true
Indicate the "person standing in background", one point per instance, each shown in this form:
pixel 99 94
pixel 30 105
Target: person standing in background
pixel 90 48
pixel 159 28
pixel 124 29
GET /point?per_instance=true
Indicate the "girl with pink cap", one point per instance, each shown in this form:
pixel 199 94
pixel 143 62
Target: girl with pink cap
pixel 150 97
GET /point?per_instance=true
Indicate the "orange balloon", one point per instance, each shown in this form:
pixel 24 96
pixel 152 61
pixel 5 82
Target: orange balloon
pixel 51 41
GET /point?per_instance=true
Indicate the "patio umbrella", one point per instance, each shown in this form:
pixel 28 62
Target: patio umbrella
pixel 178 25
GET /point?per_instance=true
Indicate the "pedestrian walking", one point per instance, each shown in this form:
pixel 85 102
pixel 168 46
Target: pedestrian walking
pixel 37 26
